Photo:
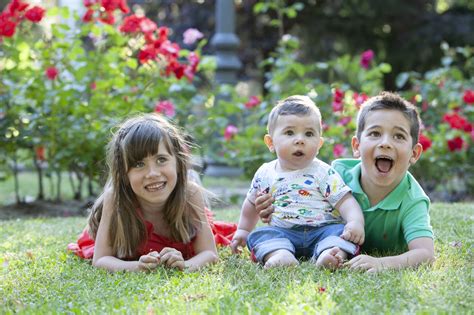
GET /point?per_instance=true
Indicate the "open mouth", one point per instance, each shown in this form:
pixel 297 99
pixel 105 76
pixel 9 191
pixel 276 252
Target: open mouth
pixel 298 153
pixel 383 164
pixel 155 186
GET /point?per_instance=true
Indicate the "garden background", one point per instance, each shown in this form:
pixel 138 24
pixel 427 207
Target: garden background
pixel 66 77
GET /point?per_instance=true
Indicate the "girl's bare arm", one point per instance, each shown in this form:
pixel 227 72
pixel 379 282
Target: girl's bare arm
pixel 204 245
pixel 103 254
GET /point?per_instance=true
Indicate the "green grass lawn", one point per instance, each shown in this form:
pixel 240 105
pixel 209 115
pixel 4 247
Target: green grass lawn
pixel 39 276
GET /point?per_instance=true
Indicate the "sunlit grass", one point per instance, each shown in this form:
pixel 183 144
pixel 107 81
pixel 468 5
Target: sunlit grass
pixel 39 276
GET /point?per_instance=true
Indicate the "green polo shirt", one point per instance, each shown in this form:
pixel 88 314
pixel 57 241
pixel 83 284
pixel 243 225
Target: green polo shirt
pixel 396 220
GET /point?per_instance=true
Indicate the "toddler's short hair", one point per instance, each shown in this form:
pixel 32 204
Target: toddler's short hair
pixel 299 105
pixel 391 101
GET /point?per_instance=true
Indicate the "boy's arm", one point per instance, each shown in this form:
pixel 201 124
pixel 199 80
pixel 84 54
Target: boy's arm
pixel 420 250
pixel 248 219
pixel 352 214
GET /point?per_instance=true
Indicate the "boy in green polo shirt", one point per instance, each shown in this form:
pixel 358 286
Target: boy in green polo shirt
pixel 394 205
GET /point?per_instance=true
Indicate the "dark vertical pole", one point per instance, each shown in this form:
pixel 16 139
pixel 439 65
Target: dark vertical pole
pixel 226 43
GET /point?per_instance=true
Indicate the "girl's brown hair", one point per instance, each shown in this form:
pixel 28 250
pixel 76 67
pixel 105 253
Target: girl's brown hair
pixel 135 139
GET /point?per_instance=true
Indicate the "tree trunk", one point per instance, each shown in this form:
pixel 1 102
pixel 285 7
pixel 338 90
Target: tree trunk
pixel 58 186
pixel 16 181
pixel 39 171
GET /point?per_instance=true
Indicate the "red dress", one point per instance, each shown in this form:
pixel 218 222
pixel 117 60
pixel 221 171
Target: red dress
pixel 222 231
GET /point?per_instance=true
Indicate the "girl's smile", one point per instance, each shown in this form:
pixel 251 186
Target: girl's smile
pixel 154 178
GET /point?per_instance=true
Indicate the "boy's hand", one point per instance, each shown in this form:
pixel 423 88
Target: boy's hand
pixel 239 240
pixel 264 206
pixel 149 261
pixel 354 232
pixel 365 263
pixel 172 258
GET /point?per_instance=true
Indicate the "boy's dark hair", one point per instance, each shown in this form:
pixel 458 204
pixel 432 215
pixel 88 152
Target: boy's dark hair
pixel 391 101
pixel 299 105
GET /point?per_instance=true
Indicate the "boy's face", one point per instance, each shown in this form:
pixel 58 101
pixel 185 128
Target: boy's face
pixel 386 151
pixel 296 140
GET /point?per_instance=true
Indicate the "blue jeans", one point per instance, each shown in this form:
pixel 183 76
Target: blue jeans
pixel 302 241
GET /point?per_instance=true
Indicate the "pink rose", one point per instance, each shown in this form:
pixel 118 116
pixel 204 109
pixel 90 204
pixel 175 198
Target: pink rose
pixel 165 107
pixel 366 58
pixel 339 150
pixel 191 35
pixel 230 131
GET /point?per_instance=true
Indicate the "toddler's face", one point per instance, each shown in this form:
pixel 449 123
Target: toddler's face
pixel 296 140
pixel 385 148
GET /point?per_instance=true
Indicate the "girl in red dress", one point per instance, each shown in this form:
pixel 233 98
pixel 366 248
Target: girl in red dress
pixel 149 214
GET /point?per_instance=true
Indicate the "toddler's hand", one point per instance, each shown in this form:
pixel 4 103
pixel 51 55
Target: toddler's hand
pixel 149 261
pixel 354 232
pixel 172 258
pixel 365 263
pixel 239 240
pixel 264 206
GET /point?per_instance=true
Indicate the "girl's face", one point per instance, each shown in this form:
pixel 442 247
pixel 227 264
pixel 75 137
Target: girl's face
pixel 153 179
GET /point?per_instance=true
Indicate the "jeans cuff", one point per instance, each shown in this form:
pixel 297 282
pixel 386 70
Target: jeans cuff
pixel 336 241
pixel 266 247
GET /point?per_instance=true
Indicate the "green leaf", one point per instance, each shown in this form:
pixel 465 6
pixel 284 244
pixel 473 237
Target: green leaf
pixel 385 68
pixel 132 63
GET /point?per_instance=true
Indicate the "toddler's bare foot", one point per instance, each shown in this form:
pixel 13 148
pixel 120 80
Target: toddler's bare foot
pixel 280 258
pixel 331 258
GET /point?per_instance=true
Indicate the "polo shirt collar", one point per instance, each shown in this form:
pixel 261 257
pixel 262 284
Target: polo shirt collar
pixel 391 202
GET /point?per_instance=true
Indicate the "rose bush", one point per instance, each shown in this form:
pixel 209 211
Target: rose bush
pixel 62 89
pixel 445 99
pixel 351 79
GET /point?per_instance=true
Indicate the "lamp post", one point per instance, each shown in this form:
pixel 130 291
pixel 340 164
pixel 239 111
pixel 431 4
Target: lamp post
pixel 226 43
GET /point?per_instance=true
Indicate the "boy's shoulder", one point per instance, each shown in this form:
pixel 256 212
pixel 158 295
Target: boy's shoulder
pixel 414 188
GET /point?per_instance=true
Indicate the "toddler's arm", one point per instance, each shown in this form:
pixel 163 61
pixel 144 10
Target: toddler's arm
pixel 420 250
pixel 248 220
pixel 352 214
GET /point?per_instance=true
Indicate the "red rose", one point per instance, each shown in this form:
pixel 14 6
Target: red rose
pixel 131 24
pixel 16 6
pixel 338 97
pixel 457 121
pixel 35 14
pixel 40 156
pixel 468 97
pixel 425 142
pixel 51 73
pixel 455 144
pixel 252 102
pixel 7 27
pixel 88 16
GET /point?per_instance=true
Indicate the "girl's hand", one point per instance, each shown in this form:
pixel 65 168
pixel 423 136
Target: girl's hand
pixel 365 263
pixel 172 258
pixel 239 240
pixel 149 261
pixel 264 206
